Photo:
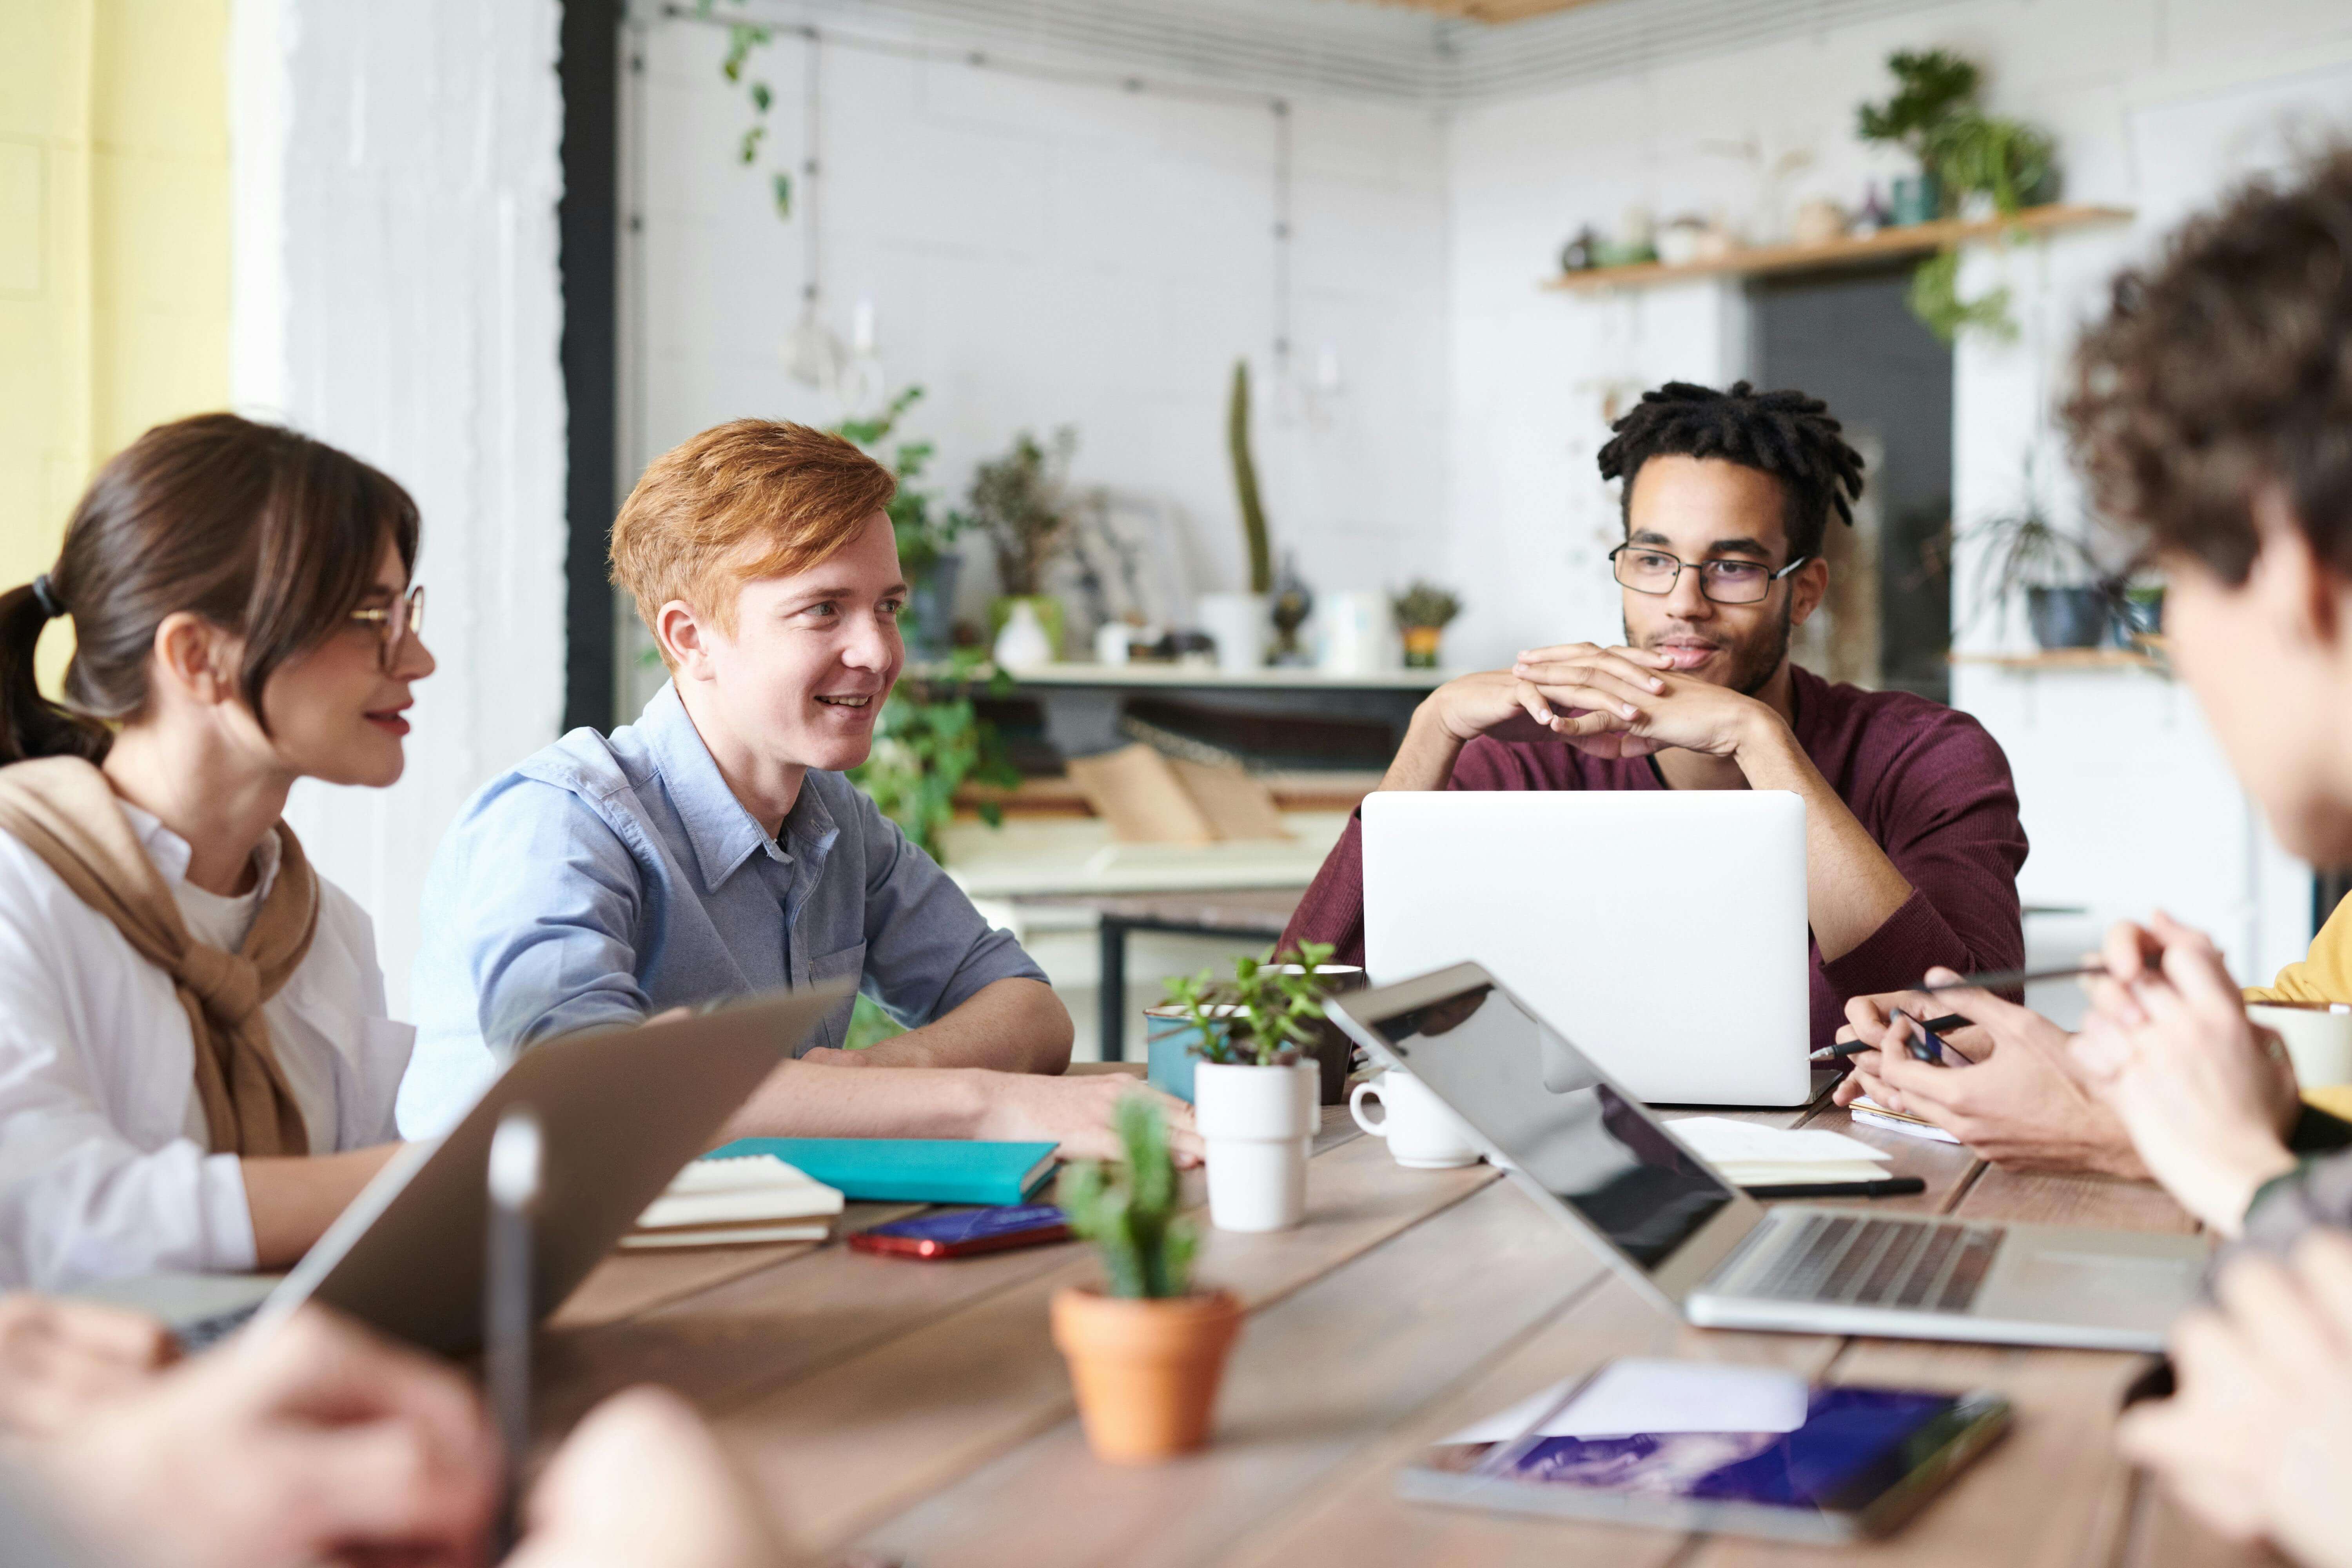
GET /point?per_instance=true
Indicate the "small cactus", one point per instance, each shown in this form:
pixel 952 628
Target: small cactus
pixel 1130 1212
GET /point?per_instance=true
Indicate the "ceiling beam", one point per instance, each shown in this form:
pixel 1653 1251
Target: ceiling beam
pixel 1495 11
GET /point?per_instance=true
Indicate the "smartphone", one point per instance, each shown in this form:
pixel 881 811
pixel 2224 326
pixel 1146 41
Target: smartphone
pixel 1923 1045
pixel 1822 1464
pixel 966 1232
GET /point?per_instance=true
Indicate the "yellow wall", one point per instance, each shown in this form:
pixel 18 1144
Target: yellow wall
pixel 114 237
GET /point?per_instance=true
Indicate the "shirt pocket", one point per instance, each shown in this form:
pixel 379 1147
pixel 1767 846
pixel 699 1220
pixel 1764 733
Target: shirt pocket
pixel 848 963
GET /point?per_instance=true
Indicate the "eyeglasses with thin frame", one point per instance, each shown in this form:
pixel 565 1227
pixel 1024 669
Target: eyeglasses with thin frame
pixel 395 625
pixel 1725 580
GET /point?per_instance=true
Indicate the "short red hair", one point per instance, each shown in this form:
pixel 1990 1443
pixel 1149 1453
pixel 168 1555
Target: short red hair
pixel 749 499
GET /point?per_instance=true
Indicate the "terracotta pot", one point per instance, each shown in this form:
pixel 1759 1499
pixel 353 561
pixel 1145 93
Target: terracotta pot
pixel 1421 646
pixel 1146 1372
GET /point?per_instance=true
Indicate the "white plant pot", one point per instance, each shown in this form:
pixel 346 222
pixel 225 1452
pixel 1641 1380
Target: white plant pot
pixel 1241 625
pixel 1259 1124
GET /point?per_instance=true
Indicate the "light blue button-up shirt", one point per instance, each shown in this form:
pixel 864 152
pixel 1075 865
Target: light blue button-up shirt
pixel 605 878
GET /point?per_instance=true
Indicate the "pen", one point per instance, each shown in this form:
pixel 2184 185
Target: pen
pixel 2011 979
pixel 1889 1187
pixel 1856 1048
pixel 514 1183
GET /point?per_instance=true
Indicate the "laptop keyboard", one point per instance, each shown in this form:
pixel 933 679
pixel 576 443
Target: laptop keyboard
pixel 1857 1260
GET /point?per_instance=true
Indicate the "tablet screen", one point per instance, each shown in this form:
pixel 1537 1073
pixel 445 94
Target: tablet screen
pixel 1540 1102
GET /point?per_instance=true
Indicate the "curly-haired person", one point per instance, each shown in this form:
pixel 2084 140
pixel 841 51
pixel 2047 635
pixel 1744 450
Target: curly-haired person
pixel 1912 835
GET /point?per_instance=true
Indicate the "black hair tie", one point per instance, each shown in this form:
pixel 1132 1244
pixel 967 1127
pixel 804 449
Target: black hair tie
pixel 47 597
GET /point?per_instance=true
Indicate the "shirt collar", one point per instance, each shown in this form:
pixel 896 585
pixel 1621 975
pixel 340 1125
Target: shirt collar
pixel 722 834
pixel 171 853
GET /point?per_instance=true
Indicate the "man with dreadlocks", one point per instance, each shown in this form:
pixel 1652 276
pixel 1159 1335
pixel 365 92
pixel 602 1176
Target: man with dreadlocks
pixel 1912 837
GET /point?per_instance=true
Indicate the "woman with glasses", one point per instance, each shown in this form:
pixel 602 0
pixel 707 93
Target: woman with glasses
pixel 195 1068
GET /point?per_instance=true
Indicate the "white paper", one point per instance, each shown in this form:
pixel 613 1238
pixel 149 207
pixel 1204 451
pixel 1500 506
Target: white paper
pixel 1871 1114
pixel 1721 1141
pixel 1767 1174
pixel 725 1192
pixel 1637 1394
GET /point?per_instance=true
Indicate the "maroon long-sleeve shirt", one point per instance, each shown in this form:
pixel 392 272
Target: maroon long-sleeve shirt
pixel 1924 780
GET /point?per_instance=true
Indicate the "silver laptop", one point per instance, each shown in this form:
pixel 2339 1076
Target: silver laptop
pixel 1664 932
pixel 1663 1218
pixel 620 1112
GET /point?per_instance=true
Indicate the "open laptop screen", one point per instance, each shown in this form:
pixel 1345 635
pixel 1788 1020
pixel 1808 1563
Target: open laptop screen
pixel 1540 1101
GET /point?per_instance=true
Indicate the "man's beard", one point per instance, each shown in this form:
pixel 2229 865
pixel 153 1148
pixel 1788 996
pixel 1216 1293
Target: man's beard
pixel 1757 660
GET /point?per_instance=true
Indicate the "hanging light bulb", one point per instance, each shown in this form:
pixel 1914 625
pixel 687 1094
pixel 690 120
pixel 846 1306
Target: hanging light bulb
pixel 862 385
pixel 813 356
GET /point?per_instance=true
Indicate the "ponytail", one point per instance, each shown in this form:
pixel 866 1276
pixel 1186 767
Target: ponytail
pixel 30 724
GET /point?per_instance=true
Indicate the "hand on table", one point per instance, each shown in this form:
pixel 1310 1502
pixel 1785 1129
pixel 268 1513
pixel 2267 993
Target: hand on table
pixel 2258 1441
pixel 2207 1097
pixel 60 1359
pixel 642 1483
pixel 2021 1104
pixel 1608 702
pixel 310 1441
pixel 1076 1112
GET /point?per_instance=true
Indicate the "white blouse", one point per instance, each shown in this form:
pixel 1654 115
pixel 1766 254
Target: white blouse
pixel 104 1172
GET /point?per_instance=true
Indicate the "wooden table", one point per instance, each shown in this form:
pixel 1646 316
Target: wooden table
pixel 919 1412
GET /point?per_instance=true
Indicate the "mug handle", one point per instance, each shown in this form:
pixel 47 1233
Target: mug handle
pixel 1356 1109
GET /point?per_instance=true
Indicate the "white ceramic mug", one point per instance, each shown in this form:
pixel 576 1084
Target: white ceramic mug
pixel 2318 1037
pixel 1422 1132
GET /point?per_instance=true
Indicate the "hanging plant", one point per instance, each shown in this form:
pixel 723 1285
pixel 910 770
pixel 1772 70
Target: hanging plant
pixel 1965 151
pixel 1935 299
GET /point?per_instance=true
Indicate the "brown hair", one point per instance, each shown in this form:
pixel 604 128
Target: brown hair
pixel 267 533
pixel 2225 368
pixel 752 497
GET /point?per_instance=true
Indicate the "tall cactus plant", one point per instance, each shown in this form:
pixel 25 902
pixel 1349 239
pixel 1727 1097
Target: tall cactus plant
pixel 1261 553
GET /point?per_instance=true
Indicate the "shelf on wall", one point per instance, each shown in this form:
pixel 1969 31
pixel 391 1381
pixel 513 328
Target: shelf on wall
pixel 2071 659
pixel 1888 244
pixel 1275 678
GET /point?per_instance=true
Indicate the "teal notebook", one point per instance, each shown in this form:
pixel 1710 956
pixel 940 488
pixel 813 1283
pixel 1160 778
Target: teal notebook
pixel 910 1170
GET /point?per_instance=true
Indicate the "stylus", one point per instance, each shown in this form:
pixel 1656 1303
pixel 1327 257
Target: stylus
pixel 1856 1048
pixel 514 1183
pixel 1891 1187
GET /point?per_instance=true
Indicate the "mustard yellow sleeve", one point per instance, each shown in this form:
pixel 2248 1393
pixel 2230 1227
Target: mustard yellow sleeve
pixel 2325 973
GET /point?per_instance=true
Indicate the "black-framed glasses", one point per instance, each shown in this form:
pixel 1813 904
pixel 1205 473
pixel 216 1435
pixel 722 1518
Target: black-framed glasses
pixel 395 625
pixel 1725 580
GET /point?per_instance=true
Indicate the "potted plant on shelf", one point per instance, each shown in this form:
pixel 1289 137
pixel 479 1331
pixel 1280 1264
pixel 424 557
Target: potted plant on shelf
pixel 1238 622
pixel 1256 1086
pixel 1146 1350
pixel 1017 502
pixel 1972 161
pixel 931 568
pixel 1423 612
pixel 2068 603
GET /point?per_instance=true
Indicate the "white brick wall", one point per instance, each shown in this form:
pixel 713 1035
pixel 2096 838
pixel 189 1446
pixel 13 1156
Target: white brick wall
pixel 396 293
pixel 1039 254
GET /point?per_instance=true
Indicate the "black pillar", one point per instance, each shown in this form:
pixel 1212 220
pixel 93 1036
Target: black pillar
pixel 589 220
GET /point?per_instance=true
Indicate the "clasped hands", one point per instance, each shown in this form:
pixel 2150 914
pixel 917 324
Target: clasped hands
pixel 1608 702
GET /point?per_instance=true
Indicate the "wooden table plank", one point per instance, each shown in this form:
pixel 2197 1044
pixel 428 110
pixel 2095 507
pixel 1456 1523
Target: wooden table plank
pixel 1355 1520
pixel 2109 1203
pixel 630 1284
pixel 862 1438
pixel 1315 1379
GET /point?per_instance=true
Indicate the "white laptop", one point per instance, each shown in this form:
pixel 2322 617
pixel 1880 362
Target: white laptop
pixel 1594 1157
pixel 1664 932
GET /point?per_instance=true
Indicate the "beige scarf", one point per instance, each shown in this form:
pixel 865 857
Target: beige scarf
pixel 62 809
